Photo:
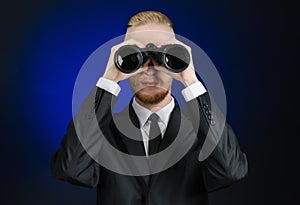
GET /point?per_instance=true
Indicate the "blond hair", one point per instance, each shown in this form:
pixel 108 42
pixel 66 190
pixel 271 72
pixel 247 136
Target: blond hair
pixel 146 17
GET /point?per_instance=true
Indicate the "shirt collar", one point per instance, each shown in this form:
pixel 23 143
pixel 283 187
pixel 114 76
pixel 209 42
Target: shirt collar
pixel 143 113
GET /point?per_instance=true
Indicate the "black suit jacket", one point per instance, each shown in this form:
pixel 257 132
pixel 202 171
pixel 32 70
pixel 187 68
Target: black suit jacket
pixel 186 182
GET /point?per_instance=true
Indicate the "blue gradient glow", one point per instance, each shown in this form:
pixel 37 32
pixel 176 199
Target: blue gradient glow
pixel 47 42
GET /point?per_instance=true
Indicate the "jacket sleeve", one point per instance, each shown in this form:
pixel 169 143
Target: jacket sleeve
pixel 71 162
pixel 222 160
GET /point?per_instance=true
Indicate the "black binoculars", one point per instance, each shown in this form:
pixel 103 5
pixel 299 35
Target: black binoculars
pixel 173 57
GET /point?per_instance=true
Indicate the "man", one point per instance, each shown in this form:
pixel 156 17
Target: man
pixel 189 179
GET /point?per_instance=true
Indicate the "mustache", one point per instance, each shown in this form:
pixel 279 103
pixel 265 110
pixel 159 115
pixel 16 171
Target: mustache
pixel 152 80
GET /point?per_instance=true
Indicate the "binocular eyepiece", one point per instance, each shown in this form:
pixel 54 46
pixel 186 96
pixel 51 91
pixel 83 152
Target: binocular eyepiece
pixel 173 57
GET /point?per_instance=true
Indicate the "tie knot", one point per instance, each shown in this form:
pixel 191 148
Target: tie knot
pixel 153 117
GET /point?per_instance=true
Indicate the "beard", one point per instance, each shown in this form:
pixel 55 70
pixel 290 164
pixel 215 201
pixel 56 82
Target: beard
pixel 151 99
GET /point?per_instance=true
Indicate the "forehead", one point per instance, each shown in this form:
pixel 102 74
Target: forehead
pixel 157 34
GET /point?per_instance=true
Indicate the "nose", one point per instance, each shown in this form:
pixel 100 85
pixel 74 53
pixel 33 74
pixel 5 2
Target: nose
pixel 150 64
pixel 150 67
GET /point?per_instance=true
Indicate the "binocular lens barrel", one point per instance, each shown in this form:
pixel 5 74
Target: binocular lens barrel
pixel 173 57
pixel 176 58
pixel 128 58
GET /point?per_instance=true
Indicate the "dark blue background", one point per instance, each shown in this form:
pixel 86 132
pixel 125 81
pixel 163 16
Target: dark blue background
pixel 45 43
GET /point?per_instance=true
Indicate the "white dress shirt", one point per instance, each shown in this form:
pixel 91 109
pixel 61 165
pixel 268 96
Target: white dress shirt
pixel 143 115
pixel 189 93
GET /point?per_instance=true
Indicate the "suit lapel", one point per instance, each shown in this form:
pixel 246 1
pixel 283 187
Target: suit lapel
pixel 128 128
pixel 172 128
pixel 128 120
pixel 169 136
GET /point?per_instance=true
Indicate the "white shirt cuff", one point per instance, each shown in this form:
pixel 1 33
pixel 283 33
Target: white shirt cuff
pixel 109 86
pixel 193 91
